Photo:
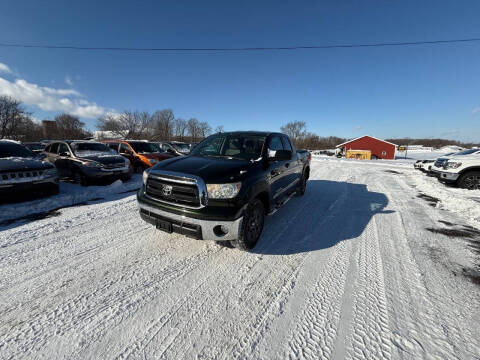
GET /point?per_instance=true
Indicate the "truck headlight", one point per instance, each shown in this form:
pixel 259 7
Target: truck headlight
pixel 145 177
pixel 453 165
pixel 223 191
pixel 127 162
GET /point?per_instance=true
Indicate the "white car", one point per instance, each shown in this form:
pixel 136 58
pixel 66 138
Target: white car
pixel 462 169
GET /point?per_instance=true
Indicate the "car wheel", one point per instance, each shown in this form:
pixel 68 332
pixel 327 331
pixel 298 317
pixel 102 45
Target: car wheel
pixel 252 226
pixel 79 178
pixel 302 186
pixel 470 180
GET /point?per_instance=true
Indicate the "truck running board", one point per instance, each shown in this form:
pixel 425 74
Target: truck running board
pixel 279 205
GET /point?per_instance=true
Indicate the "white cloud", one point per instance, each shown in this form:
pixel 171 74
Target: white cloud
pixel 5 69
pixel 476 110
pixel 68 80
pixel 51 99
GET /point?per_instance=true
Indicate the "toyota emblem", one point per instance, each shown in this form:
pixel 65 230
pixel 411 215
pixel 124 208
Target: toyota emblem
pixel 167 190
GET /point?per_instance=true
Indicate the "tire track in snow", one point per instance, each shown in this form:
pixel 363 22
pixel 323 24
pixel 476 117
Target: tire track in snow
pixel 90 319
pixel 417 330
pixel 370 333
pixel 314 335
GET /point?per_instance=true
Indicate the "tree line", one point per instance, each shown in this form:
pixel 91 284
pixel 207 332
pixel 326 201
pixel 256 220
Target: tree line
pixel 17 123
pixel 159 125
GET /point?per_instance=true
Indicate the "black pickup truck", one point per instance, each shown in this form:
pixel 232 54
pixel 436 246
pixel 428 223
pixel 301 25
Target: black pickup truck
pixel 224 188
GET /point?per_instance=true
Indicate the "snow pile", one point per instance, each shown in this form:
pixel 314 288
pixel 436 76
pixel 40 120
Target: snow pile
pixel 69 195
pixel 465 203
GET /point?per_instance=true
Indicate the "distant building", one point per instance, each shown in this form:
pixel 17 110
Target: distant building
pixel 49 129
pixel 379 149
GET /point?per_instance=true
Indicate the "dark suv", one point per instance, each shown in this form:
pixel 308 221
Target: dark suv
pixel 225 187
pixel 22 172
pixel 84 161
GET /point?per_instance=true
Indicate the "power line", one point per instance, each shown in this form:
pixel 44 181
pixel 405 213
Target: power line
pixel 223 49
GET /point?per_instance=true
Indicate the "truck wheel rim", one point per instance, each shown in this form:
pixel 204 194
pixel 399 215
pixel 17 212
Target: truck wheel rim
pixel 254 225
pixel 472 182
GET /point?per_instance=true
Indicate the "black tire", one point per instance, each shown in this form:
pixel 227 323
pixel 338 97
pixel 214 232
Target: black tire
pixel 302 186
pixel 470 180
pixel 252 226
pixel 79 178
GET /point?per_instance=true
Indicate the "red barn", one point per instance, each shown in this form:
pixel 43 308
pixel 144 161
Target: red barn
pixel 379 148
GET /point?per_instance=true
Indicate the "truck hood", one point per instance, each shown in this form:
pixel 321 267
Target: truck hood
pixel 21 164
pixel 210 169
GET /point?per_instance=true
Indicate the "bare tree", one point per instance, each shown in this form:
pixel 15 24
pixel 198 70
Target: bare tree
pixel 219 129
pixel 193 129
pixel 69 127
pixel 12 115
pixel 181 126
pixel 164 123
pixel 128 125
pixel 204 129
pixel 296 130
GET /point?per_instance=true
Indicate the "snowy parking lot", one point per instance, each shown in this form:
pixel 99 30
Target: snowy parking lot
pixel 375 261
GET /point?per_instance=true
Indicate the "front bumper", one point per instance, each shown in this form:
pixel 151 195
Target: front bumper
pixel 101 173
pixel 448 176
pixel 191 227
pixel 19 189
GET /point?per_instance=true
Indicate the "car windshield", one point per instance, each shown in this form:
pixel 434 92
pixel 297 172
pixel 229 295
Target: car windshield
pixel 142 147
pixel 14 150
pixel 183 148
pixel 87 147
pixel 240 146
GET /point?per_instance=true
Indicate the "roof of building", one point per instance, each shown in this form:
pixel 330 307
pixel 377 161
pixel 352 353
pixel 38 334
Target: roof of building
pixel 349 141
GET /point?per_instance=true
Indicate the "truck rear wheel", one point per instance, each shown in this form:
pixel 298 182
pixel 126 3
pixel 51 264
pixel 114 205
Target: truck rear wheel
pixel 302 186
pixel 252 226
pixel 470 180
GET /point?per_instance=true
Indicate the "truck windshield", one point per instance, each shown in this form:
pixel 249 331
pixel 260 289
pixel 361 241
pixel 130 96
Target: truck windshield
pixel 14 150
pixel 239 146
pixel 142 147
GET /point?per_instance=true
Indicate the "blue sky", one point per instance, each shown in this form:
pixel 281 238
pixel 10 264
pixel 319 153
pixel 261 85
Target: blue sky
pixel 416 91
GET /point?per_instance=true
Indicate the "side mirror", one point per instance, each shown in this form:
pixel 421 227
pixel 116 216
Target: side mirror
pixel 282 155
pixel 171 151
pixel 64 153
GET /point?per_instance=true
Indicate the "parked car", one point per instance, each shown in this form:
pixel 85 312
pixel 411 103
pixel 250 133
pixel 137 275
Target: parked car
pixel 87 161
pixel 175 148
pixel 463 170
pixel 225 187
pixel 35 147
pixel 141 154
pixel 21 171
pixel 440 162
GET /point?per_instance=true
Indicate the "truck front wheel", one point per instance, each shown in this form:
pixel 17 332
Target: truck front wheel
pixel 470 180
pixel 252 226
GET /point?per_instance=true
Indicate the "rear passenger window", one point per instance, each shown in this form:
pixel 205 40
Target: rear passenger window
pixel 275 143
pixel 63 149
pixel 53 148
pixel 286 144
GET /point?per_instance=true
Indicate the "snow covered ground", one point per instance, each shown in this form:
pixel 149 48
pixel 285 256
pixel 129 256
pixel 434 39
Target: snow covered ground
pixel 375 261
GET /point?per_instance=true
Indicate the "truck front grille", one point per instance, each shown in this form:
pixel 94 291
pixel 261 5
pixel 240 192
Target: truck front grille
pixel 173 191
pixel 440 163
